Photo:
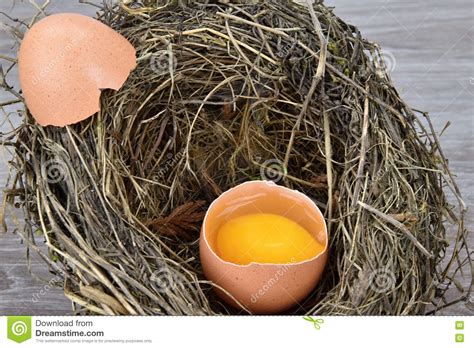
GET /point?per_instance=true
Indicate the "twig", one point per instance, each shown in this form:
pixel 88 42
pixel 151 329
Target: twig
pixel 363 152
pixel 395 223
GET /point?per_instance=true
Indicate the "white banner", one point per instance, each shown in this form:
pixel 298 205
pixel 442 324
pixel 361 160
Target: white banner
pixel 238 332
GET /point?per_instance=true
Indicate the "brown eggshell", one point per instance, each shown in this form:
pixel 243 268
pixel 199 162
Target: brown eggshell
pixel 65 60
pixel 263 288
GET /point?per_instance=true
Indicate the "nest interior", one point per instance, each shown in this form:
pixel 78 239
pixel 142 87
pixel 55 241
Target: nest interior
pixel 226 92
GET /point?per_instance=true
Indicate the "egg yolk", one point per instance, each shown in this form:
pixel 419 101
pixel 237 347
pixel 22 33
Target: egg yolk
pixel 265 238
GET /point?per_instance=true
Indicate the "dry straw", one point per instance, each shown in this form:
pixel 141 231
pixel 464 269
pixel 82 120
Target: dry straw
pixel 226 92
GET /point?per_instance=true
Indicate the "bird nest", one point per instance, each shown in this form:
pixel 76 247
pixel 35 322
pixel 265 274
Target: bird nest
pixel 223 93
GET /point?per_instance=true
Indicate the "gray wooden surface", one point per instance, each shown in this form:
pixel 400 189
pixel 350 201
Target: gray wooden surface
pixel 430 47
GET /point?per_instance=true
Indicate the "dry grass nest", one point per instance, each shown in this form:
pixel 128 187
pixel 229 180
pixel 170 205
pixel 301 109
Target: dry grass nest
pixel 226 92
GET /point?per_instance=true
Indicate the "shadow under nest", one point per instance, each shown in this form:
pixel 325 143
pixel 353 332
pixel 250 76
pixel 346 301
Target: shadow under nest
pixel 223 94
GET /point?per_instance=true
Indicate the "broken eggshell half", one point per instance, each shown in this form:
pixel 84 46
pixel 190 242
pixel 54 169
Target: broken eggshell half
pixel 65 60
pixel 263 288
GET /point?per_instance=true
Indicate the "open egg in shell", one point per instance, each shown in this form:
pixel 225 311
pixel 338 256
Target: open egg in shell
pixel 288 246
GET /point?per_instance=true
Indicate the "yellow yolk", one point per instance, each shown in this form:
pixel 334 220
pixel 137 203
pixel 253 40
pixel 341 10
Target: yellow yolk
pixel 265 238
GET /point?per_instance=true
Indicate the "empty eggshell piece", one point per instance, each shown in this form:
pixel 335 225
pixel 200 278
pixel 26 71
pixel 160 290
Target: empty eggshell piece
pixel 263 288
pixel 65 60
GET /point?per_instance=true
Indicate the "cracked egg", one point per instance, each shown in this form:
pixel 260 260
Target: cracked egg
pixel 264 247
